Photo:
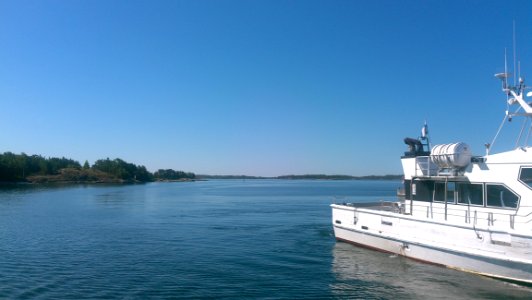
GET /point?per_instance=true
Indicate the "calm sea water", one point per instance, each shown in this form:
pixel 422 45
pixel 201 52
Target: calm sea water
pixel 220 239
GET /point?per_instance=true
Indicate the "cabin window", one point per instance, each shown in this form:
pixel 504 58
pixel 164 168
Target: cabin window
pixel 439 192
pixel 469 193
pixel 525 176
pixel 423 190
pixel 451 187
pixel 500 196
pixel 408 194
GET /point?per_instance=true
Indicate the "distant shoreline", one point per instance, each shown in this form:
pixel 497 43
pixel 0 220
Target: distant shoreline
pixel 54 179
pixel 307 176
pixel 36 169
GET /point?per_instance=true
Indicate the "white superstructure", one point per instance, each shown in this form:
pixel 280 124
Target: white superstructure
pixel 472 213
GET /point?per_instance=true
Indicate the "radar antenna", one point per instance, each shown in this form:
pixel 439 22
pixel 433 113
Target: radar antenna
pixel 515 95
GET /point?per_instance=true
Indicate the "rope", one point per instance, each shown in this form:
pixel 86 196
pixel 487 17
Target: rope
pixel 498 131
pixel 528 135
pixel 525 121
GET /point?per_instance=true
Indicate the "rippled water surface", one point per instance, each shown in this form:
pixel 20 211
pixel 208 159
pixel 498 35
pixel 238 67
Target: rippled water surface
pixel 230 239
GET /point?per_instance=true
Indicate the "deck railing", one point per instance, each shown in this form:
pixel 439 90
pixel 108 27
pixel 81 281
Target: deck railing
pixel 468 215
pixel 425 167
pixel 380 205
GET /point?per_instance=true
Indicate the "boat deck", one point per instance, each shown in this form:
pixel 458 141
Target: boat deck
pixel 380 206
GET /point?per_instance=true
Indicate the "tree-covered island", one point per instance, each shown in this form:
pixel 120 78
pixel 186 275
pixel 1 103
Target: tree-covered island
pixel 38 169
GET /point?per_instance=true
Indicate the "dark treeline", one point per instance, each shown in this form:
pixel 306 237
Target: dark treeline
pixel 123 170
pixel 36 168
pixel 170 174
pixel 17 167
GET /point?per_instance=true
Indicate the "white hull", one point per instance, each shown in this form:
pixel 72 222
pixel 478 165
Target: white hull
pixel 448 245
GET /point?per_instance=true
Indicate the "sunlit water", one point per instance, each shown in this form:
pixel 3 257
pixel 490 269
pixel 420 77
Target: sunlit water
pixel 229 239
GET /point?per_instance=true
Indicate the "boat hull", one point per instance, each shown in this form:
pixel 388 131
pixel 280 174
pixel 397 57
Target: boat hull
pixel 416 246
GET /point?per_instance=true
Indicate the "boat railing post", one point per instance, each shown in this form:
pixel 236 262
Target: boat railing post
pixel 468 212
pixel 428 166
pixel 445 198
pixel 411 196
pixel 512 221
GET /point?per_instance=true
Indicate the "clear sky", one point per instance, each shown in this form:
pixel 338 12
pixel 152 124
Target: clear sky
pixel 254 87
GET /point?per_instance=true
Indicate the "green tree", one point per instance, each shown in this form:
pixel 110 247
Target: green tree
pixel 123 170
pixel 170 174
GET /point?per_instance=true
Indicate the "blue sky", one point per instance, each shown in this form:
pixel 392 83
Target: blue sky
pixel 254 87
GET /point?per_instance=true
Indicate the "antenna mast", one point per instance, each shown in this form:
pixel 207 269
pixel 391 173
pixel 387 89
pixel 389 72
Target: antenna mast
pixel 514 54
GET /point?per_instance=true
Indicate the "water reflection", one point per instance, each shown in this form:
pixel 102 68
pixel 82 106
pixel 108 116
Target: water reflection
pixel 109 197
pixel 364 273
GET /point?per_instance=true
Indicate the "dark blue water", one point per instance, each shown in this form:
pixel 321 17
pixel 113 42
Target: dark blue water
pixel 232 239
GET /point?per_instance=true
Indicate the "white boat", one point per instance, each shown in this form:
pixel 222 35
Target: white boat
pixel 471 213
